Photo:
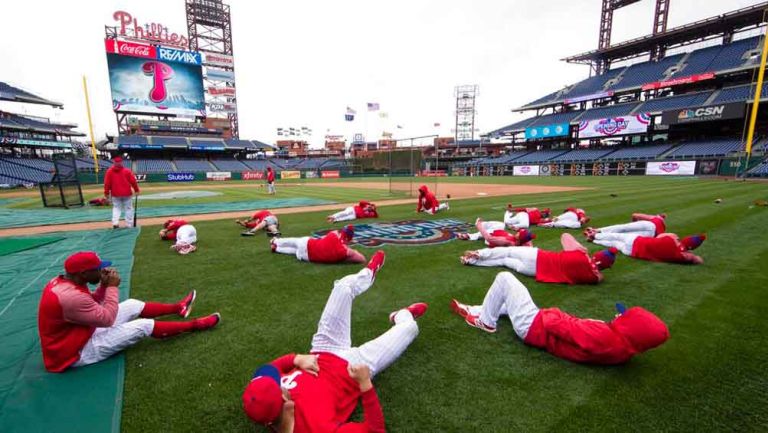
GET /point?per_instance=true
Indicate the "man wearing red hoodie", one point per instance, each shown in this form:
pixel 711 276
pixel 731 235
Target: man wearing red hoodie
pixel 428 202
pixel 317 392
pixel 78 327
pixel 588 341
pixel 666 247
pixel 119 182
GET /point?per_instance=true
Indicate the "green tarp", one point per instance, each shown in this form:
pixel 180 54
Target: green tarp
pixel 15 245
pixel 32 400
pixel 36 217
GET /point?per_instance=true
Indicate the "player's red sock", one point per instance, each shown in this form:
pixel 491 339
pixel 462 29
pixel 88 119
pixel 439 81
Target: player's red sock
pixel 169 329
pixel 156 309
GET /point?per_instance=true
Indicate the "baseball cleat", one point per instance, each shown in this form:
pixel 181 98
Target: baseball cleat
pixel 475 322
pixel 376 262
pixel 273 245
pixel 462 236
pixel 186 304
pixel 207 322
pixel 417 310
pixel 459 308
pixel 247 234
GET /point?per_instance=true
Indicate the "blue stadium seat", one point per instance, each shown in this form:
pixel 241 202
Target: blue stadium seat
pixel 538 156
pixel 170 141
pixel 153 166
pixel 228 164
pixel 707 148
pixel 646 72
pixel 637 153
pixel 609 111
pixel 189 164
pixel 582 155
pixel 674 102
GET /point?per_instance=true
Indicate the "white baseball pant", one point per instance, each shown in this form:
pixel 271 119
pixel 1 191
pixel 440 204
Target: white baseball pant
pixel 568 220
pixel 518 220
pixel 507 297
pixel 440 207
pixel 489 226
pixel 622 241
pixel 127 330
pixel 270 187
pixel 122 205
pixel 641 228
pixel 348 214
pixel 519 259
pixel 334 333
pixel 187 234
pixel 296 246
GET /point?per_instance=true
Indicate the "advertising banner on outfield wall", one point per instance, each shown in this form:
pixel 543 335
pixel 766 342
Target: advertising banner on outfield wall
pixel 290 174
pixel 310 174
pixel 253 175
pixel 671 168
pixel 613 126
pixel 180 177
pixel 704 114
pixel 525 170
pixel 218 175
pixel 330 174
pixel 547 131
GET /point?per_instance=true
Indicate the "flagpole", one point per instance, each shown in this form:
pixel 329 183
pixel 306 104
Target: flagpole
pixel 90 127
pixel 756 100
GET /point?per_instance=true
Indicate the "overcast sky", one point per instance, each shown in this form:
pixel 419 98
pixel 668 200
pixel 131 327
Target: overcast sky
pixel 302 62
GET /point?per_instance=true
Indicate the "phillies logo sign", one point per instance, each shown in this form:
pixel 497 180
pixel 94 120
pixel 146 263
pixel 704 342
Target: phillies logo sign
pixel 525 169
pixel 669 167
pixel 129 27
pixel 409 233
pixel 160 73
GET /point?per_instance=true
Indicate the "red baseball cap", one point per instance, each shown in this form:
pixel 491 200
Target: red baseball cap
pixel 84 261
pixel 605 258
pixel 693 242
pixel 262 398
pixel 117 159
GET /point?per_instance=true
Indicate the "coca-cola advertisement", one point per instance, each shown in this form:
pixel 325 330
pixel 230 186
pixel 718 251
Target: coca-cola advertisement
pixel 130 49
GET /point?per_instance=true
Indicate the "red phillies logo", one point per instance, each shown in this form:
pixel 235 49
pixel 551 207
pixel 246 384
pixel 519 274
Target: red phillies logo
pixel 160 73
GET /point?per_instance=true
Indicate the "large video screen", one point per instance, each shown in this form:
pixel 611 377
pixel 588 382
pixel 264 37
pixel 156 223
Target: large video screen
pixel 147 85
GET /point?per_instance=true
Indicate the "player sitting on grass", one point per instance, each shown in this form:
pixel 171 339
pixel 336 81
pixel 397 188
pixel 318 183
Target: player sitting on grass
pixel 573 265
pixel 318 392
pixel 667 247
pixel 590 341
pixel 524 217
pixel 494 235
pixel 261 220
pixel 331 248
pixel 362 210
pixel 428 202
pixel 641 225
pixel 572 218
pixel 78 327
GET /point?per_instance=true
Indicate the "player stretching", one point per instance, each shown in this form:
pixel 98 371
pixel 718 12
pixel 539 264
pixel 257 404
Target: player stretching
pixel 572 218
pixel 78 327
pixel 590 341
pixel 666 247
pixel 573 265
pixel 641 225
pixel 362 210
pixel 261 220
pixel 428 202
pixel 331 248
pixel 494 235
pixel 318 392
pixel 183 233
pixel 524 217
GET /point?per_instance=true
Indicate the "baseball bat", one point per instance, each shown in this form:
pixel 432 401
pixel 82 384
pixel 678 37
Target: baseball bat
pixel 135 209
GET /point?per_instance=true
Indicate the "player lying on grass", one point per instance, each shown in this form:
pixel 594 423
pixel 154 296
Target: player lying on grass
pixel 100 201
pixel 182 232
pixel 331 248
pixel 494 235
pixel 364 209
pixel 641 225
pixel 261 220
pixel 667 247
pixel 573 265
pixel 78 327
pixel 318 392
pixel 590 341
pixel 571 218
pixel 524 217
pixel 428 202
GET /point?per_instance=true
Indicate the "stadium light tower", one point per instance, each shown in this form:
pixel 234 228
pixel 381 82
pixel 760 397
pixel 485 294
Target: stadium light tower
pixel 209 27
pixel 465 112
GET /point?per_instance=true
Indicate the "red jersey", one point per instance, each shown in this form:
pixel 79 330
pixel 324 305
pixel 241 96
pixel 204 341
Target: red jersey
pixel 506 235
pixel 362 212
pixel 571 267
pixel 325 402
pixel 663 249
pixel 119 181
pixel 328 249
pixel 428 202
pixel 594 341
pixel 579 212
pixel 174 226
pixel 660 224
pixel 270 176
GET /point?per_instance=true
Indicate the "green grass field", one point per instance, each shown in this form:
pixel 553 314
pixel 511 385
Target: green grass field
pixel 710 376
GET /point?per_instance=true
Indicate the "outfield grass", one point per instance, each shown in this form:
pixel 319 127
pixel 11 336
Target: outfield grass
pixel 710 376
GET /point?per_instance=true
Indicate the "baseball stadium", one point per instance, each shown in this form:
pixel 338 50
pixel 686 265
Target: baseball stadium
pixel 592 264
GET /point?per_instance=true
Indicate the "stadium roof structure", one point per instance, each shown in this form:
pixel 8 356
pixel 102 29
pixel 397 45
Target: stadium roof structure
pixel 710 28
pixel 14 94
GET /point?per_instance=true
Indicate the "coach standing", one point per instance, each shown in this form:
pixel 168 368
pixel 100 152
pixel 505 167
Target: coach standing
pixel 119 184
pixel 270 181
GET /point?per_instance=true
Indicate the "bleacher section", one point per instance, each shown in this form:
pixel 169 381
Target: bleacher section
pixel 647 72
pixel 710 148
pixel 11 93
pixel 582 155
pixel 609 111
pixel 189 164
pixel 228 164
pixel 23 173
pixel 639 153
pixel 84 164
pixel 539 156
pixel 170 141
pixel 674 102
pixel 718 58
pixel 760 170
pixel 153 166
pixel 27 123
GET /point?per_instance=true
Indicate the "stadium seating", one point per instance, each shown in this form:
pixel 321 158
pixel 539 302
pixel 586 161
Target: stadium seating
pixel 646 72
pixel 719 147
pixel 153 166
pixel 131 140
pixel 641 153
pixel 256 164
pixel 11 93
pixel 238 144
pixel 228 164
pixel 551 119
pixel 84 164
pixel 170 141
pixel 674 102
pixel 609 111
pixel 582 155
pixel 9 181
pixel 23 173
pixel 760 170
pixel 189 164
pixel 45 165
pixel 538 156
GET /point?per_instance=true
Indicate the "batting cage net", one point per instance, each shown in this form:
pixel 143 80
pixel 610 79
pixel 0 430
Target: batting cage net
pixel 64 188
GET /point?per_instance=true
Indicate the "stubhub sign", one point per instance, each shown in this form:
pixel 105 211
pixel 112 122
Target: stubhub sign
pixel 181 177
pixel 171 55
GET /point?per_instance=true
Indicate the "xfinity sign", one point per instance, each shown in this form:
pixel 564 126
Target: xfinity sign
pixel 704 114
pixel 171 55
